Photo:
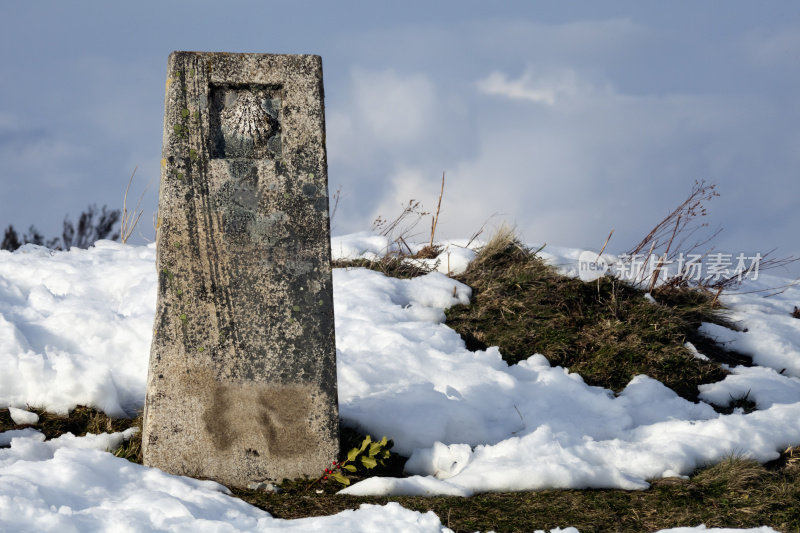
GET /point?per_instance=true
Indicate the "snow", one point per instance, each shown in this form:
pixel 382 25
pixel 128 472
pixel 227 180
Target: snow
pixel 763 385
pixel 70 484
pixel 22 417
pixel 7 436
pixel 545 458
pixel 362 245
pixel 772 336
pixel 75 328
pixel 697 355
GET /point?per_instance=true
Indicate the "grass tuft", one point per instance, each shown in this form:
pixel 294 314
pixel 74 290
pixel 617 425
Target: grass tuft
pixel 605 330
pixel 395 266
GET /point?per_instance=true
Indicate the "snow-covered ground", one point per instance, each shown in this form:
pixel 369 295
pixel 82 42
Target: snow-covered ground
pixel 75 328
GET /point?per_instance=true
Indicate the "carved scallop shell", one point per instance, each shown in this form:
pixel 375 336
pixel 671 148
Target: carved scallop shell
pixel 246 119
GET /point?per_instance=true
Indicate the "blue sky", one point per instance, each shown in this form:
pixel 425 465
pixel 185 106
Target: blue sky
pixel 567 119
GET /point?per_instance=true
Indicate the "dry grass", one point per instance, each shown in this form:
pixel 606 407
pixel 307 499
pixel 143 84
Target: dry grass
pixel 430 251
pixel 79 421
pixel 130 219
pixel 400 229
pixel 605 330
pixel 391 265
pixel 672 235
pixel 680 233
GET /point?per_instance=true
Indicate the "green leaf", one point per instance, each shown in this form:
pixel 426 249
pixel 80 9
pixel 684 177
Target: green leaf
pixel 366 442
pixel 350 468
pixel 352 454
pixel 386 454
pixel 341 478
pixel 369 462
pixel 374 448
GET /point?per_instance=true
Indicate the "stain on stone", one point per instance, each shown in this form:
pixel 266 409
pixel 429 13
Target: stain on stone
pixel 282 419
pixel 215 418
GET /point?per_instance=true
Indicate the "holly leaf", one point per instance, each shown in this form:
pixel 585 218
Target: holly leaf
pixel 369 462
pixel 341 478
pixel 352 454
pixel 350 468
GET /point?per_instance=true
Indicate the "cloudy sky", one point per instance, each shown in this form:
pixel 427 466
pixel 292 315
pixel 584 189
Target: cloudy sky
pixel 566 119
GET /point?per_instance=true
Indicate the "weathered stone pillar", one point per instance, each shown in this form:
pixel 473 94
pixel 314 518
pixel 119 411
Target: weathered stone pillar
pixel 242 379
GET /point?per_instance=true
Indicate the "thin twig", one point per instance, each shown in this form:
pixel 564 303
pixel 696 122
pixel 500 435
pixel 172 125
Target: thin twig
pixel 603 249
pixel 336 197
pixel 128 221
pixel 435 219
pixel 403 241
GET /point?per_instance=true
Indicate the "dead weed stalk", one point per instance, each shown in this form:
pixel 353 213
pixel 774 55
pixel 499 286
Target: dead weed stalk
pixel 675 240
pixel 130 219
pixel 400 229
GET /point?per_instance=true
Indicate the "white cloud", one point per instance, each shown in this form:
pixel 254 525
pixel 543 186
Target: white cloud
pixel 548 89
pixel 385 111
pixel 393 108
pixel 388 125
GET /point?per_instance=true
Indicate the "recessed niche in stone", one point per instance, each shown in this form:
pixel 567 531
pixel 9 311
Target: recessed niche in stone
pixel 245 122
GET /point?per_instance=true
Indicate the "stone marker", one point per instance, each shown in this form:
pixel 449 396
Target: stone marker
pixel 242 380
